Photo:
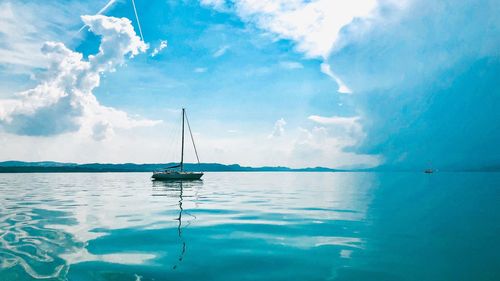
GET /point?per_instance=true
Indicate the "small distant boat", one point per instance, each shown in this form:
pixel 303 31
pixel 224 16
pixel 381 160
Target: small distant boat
pixel 170 173
pixel 428 171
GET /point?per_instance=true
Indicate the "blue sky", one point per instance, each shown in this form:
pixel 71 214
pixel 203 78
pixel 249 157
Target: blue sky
pixel 295 83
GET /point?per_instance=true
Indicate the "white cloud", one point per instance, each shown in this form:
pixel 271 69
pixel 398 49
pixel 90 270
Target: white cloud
pixel 279 128
pixel 101 130
pixel 325 146
pixel 221 51
pixel 291 65
pixel 335 120
pixel 157 50
pixel 106 7
pixel 343 89
pixel 349 127
pixel 102 11
pixel 217 4
pixel 316 145
pixel 200 69
pixel 299 147
pixel 25 26
pixel 314 25
pixel 63 100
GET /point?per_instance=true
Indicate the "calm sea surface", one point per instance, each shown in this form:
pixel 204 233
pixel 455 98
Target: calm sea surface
pixel 251 226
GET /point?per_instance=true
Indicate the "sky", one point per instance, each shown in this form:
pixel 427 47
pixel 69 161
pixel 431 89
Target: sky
pixel 300 83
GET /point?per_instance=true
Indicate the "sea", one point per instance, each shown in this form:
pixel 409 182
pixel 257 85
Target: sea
pixel 342 226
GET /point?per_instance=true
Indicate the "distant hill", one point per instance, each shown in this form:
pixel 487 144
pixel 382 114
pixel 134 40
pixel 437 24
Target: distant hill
pixel 35 164
pixel 56 167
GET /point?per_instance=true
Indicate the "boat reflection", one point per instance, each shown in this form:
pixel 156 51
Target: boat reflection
pixel 177 189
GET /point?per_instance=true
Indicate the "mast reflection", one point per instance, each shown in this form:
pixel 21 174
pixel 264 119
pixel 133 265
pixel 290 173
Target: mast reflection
pixel 176 189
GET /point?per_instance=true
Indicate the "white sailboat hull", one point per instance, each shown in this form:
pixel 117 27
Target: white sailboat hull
pixel 177 175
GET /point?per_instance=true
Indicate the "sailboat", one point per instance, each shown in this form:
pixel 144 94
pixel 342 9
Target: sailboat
pixel 170 173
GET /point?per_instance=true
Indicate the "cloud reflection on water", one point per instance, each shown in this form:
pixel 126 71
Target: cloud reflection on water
pixel 82 220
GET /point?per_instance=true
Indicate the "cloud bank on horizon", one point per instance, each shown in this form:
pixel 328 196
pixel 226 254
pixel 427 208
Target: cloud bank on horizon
pixel 63 100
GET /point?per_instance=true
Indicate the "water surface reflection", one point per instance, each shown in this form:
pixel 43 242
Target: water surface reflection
pixel 174 189
pixel 249 226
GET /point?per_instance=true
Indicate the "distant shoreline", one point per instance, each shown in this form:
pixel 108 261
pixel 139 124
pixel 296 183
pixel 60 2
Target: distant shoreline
pixel 56 167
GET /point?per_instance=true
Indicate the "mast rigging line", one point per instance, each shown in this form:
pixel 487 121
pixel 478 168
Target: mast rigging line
pixel 101 11
pixel 192 139
pixel 106 7
pixel 137 18
pixel 171 146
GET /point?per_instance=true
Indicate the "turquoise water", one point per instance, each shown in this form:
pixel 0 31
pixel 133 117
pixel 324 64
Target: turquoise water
pixel 251 226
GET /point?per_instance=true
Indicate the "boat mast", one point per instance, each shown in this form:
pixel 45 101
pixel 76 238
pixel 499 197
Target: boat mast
pixel 182 149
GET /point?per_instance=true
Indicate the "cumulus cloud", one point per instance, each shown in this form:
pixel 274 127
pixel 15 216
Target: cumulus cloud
pixel 321 142
pixel 326 142
pixel 63 100
pixel 157 50
pixel 425 80
pixel 348 129
pixel 319 146
pixel 101 130
pixel 279 128
pixel 299 147
pixel 102 11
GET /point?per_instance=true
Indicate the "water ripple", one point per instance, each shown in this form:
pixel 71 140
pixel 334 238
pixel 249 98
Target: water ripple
pixel 50 223
pixel 247 226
